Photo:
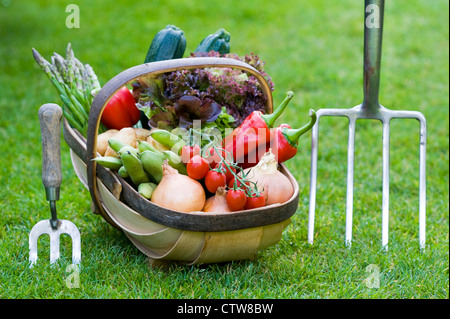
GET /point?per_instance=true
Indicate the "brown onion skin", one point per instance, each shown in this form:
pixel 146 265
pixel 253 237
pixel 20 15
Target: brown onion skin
pixel 217 203
pixel 178 192
pixel 275 186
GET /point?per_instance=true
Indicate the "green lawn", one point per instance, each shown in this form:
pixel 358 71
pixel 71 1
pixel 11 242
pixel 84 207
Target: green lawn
pixel 313 48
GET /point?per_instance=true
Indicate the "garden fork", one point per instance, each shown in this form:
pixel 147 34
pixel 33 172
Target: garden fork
pixel 370 108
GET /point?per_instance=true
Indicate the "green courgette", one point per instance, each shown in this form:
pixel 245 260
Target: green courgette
pixel 169 43
pixel 218 41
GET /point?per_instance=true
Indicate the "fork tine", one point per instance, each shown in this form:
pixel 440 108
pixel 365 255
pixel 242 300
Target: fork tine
pixel 350 178
pixel 33 238
pixel 313 178
pixel 72 230
pixel 385 200
pixel 54 245
pixel 422 167
pixel 422 178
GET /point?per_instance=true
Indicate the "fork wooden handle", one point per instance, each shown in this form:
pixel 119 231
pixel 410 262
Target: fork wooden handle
pixel 50 121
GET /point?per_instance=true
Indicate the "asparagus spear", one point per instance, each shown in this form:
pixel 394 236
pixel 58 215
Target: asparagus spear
pixel 76 83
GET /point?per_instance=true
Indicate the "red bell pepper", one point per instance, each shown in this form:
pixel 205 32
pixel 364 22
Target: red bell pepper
pixel 121 110
pixel 253 132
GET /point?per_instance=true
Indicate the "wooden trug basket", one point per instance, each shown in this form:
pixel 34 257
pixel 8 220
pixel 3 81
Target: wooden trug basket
pixel 163 234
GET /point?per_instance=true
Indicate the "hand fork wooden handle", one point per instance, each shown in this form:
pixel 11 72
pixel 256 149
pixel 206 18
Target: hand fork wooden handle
pixel 370 108
pixel 50 121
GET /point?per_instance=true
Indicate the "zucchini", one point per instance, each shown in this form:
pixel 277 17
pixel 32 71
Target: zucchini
pixel 169 43
pixel 219 41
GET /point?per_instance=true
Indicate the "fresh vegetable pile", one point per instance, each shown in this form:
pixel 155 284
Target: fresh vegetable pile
pixel 186 177
pixel 190 140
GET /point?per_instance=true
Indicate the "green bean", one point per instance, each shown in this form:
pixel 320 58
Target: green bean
pixel 134 168
pixel 116 144
pixel 123 172
pixel 146 189
pixel 172 141
pixel 110 162
pixel 152 163
pixel 128 148
pixel 146 146
pixel 175 161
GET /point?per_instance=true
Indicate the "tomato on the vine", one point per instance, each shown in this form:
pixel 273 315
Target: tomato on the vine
pixel 229 172
pixel 187 152
pixel 197 167
pixel 212 157
pixel 255 202
pixel 231 183
pixel 236 199
pixel 214 179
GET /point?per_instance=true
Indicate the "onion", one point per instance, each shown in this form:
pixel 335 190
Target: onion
pixel 218 202
pixel 178 192
pixel 274 185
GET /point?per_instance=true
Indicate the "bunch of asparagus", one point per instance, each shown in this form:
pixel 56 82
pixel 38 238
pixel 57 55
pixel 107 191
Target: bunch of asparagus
pixel 76 83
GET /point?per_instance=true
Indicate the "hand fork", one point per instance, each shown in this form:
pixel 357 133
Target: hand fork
pixel 370 108
pixel 50 121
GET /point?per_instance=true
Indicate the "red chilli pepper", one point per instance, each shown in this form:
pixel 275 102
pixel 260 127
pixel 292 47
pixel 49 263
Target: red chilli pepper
pixel 285 139
pixel 283 143
pixel 254 157
pixel 253 132
pixel 121 110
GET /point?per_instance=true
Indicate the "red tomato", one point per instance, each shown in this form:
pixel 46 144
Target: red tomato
pixel 187 152
pixel 214 179
pixel 227 171
pixel 213 158
pixel 121 110
pixel 255 202
pixel 236 199
pixel 198 167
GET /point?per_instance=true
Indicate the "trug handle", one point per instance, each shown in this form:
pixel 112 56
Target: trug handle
pixel 50 121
